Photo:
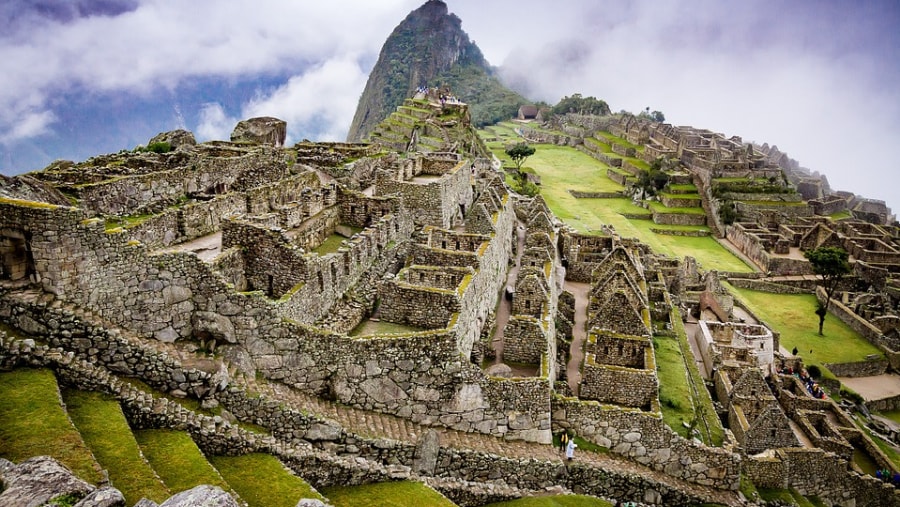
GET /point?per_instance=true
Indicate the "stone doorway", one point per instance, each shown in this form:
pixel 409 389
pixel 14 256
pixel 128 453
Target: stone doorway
pixel 16 260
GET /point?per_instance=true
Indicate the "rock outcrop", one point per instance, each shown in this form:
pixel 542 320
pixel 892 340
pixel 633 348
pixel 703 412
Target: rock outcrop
pixel 262 130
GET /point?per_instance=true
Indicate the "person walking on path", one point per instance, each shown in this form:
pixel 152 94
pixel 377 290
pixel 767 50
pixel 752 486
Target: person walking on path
pixel 570 449
pixel 563 440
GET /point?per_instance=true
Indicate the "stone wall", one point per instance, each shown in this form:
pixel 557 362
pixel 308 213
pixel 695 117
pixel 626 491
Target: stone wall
pixel 861 326
pixel 414 305
pixel 645 438
pixel 663 218
pixel 437 202
pixel 271 263
pixel 859 368
pixel 814 472
pixel 524 340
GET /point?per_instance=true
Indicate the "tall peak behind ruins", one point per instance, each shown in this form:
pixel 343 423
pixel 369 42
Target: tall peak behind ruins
pixel 430 48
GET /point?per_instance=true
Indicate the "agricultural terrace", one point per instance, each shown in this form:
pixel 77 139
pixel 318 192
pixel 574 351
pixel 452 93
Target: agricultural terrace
pixel 793 315
pixel 564 168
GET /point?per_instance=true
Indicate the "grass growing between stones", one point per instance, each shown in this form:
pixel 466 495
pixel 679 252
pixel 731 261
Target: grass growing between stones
pixel 262 480
pixel 105 430
pixel 33 422
pixel 793 315
pixel 177 459
pixel 674 392
pixel 710 426
pixel 554 501
pixel 387 494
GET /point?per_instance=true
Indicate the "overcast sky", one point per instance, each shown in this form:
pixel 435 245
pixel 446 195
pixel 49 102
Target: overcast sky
pixel 820 79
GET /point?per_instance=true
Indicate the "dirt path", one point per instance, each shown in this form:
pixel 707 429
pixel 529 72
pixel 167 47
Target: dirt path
pixel 579 333
pixel 505 307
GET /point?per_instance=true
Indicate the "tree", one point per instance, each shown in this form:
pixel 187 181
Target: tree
pixel 518 153
pixel 832 264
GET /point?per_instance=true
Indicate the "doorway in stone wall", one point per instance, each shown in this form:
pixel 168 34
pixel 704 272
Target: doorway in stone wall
pixel 16 260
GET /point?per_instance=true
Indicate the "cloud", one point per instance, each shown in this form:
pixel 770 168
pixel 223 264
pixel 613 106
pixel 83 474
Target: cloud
pixel 817 79
pixel 215 124
pixel 96 47
pixel 319 103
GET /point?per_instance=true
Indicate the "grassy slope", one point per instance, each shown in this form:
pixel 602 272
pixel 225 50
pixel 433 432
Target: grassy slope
pixel 387 494
pixel 674 391
pixel 793 315
pixel 562 168
pixel 262 481
pixel 105 430
pixel 33 422
pixel 177 459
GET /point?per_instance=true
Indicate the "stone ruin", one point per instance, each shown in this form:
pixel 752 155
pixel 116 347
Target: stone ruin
pixel 356 275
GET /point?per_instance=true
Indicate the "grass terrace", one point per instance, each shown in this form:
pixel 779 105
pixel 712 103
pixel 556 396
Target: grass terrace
pixel 263 481
pixel 378 327
pixel 562 168
pixel 33 422
pixel 177 459
pixel 793 315
pixel 618 140
pixel 659 207
pixel 105 430
pixel 387 494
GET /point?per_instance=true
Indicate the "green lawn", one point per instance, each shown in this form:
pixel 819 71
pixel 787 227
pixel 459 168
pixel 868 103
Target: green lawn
pixel 177 459
pixel 562 168
pixel 262 480
pixel 708 423
pixel 793 315
pixel 554 501
pixel 387 494
pixel 105 430
pixel 674 391
pixel 33 422
pixel 618 140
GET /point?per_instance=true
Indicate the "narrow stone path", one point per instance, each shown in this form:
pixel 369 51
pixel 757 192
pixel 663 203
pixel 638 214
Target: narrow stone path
pixel 581 291
pixel 504 309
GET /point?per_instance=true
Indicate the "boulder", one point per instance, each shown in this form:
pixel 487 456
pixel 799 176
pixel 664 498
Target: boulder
pixel 203 495
pixel 498 370
pixel 262 130
pixel 176 138
pixel 103 497
pixel 38 480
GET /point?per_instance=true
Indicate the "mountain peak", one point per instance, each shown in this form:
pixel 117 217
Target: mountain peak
pixel 427 48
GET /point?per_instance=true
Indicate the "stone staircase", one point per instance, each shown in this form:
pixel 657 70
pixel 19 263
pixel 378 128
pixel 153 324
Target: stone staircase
pixel 375 426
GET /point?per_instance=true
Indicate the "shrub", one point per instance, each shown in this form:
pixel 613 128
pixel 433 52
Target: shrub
pixel 161 147
pixel 814 371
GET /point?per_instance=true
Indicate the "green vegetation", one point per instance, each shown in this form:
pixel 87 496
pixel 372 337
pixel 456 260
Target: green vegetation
pixel 832 264
pixel 789 315
pixel 674 392
pixel 788 497
pixel 161 147
pixel 387 494
pixel 706 420
pixel 518 153
pixel 554 501
pixel 33 422
pixel 563 168
pixel 105 430
pixel 177 459
pixel 581 105
pixel 263 481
